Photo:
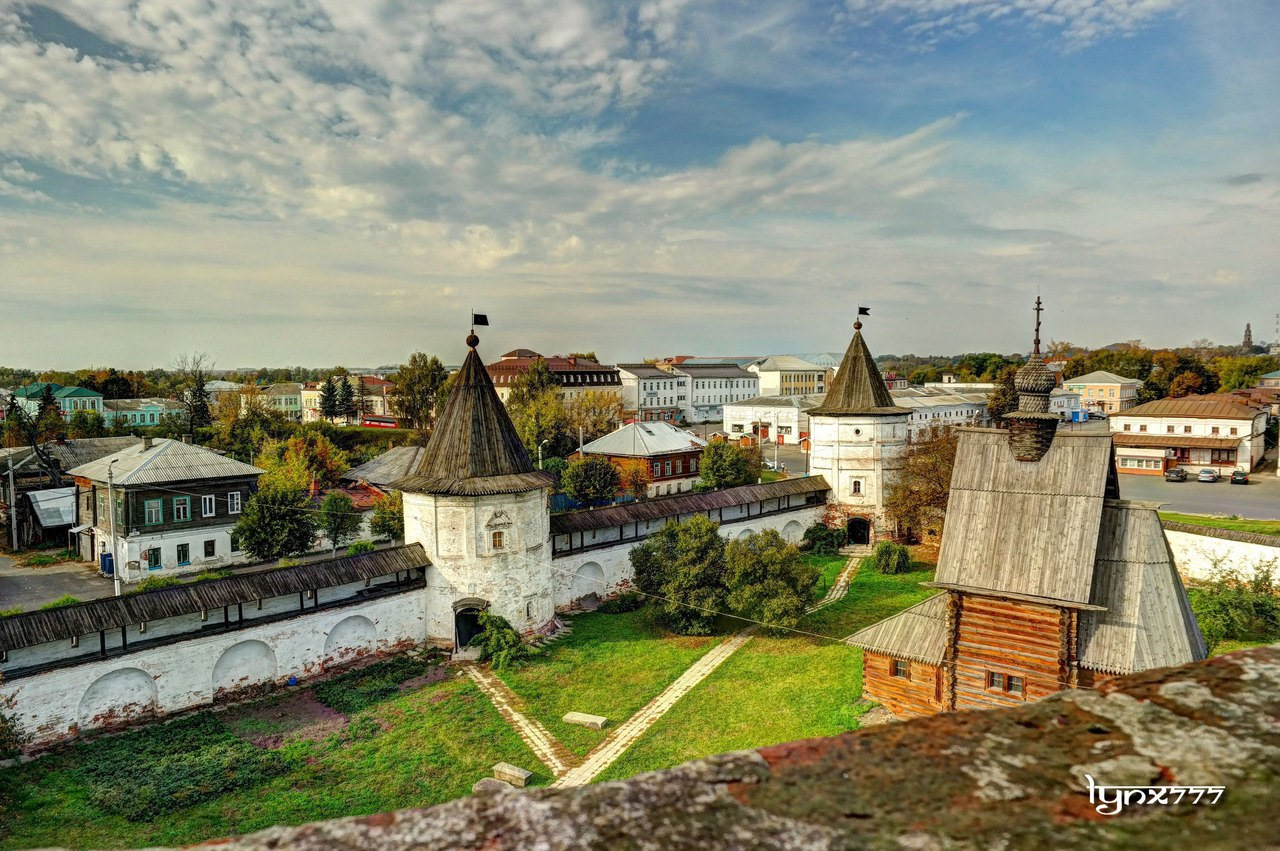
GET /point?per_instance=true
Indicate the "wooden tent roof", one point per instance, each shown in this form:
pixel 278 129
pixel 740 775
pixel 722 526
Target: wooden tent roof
pixel 1025 527
pixel 858 388
pixel 1147 622
pixel 39 627
pixel 474 448
pixel 918 633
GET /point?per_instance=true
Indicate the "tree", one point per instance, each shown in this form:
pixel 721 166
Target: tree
pixel 724 465
pixel 329 399
pixel 1185 384
pixel 442 397
pixel 296 462
pixel 417 385
pixel 1235 373
pixel 86 424
pixel 682 566
pixel 1003 400
pixel 590 479
pixel 767 580
pixel 591 356
pixel 361 397
pixel 531 384
pixel 346 399
pixel 194 370
pixel 595 412
pixel 635 477
pixel 276 523
pixel 48 403
pixel 388 516
pixel 916 498
pixel 556 467
pixel 338 519
pixel 542 418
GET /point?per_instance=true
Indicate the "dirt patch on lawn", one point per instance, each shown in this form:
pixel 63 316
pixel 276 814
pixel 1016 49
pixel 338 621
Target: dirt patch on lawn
pixel 298 716
pixel 438 674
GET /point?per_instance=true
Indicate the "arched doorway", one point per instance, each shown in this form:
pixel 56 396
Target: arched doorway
pixel 466 620
pixel 859 531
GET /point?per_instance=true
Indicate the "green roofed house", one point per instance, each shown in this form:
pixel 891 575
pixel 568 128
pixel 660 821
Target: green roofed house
pixel 69 399
pixel 141 412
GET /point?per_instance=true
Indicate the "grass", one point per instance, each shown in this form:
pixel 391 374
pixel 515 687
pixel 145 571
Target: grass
pixel 415 749
pixel 828 568
pixel 1228 646
pixel 44 557
pixel 778 689
pixel 612 665
pixel 1261 527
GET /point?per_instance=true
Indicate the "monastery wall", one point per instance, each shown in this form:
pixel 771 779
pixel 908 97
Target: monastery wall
pixel 198 671
pixel 1198 555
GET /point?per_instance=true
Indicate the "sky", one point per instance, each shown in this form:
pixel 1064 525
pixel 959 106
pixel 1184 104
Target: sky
pixel 321 181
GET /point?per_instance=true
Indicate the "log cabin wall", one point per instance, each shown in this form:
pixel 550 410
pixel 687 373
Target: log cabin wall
pixel 919 693
pixel 1013 638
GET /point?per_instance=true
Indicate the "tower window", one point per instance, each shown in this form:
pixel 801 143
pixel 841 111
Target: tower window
pixel 857 488
pixel 498 539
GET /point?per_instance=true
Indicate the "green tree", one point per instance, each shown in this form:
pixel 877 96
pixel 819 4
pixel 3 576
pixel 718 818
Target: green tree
pixel 531 384
pixel 556 467
pixel 767 580
pixel 194 372
pixel 276 523
pixel 338 519
pixel 724 465
pixel 682 565
pixel 542 418
pixel 48 403
pixel 916 498
pixel 297 461
pixel 329 408
pixel 388 516
pixel 1003 400
pixel 86 424
pixel 417 385
pixel 590 479
pixel 499 643
pixel 595 412
pixel 346 399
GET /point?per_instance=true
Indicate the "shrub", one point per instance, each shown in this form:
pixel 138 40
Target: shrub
pixel 890 558
pixel 288 562
pixel 628 602
pixel 6 613
pixel 355 690
pixel 155 583
pixel 66 600
pixel 825 540
pixel 361 547
pixel 215 573
pixel 1233 607
pixel 498 641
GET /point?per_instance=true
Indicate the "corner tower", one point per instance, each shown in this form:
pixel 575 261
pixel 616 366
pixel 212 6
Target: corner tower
pixel 479 509
pixel 857 440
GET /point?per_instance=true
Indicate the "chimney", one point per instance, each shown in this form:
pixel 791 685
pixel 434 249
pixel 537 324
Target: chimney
pixel 146 444
pixel 186 438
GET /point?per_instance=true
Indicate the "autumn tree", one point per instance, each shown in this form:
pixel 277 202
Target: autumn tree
pixel 297 461
pixel 1003 400
pixel 388 516
pixel 683 567
pixel 591 479
pixel 635 476
pixel 595 413
pixel 916 498
pixel 766 579
pixel 418 383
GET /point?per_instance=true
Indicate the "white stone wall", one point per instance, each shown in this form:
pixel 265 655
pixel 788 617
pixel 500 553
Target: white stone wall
pixel 1198 556
pixel 187 674
pixel 858 456
pixel 457 534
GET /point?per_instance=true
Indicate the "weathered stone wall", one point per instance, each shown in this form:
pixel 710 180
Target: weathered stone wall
pixel 1198 555
pixel 998 779
pixel 173 677
pixel 859 454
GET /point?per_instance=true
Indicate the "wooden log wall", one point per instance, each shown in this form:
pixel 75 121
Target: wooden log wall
pixel 1011 637
pixel 920 693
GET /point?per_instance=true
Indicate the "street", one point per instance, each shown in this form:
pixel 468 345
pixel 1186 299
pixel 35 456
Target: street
pixel 28 588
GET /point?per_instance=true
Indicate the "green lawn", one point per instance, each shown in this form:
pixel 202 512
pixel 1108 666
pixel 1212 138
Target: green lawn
pixel 777 689
pixel 1227 646
pixel 1261 527
pixel 829 568
pixel 415 749
pixel 612 665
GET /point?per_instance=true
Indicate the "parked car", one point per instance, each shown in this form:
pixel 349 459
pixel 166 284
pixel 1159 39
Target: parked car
pixel 1208 475
pixel 1175 474
pixel 1239 477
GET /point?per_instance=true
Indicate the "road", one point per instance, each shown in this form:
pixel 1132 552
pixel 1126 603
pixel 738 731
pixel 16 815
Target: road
pixel 28 588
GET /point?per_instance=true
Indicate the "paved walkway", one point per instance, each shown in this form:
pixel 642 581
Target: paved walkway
pixel 538 738
pixel 28 588
pixel 841 586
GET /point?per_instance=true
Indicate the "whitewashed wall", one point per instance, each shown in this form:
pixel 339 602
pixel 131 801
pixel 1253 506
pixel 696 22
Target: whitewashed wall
pixel 1198 556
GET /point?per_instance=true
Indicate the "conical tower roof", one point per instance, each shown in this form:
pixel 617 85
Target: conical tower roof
pixel 859 388
pixel 474 448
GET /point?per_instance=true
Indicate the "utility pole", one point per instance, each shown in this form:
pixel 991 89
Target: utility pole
pixel 111 514
pixel 13 507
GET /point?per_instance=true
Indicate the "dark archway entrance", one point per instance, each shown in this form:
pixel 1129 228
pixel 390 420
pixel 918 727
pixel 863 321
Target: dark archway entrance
pixel 859 531
pixel 466 626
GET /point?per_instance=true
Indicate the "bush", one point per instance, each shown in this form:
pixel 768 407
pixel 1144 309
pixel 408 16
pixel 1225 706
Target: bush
pixel 891 559
pixel 288 562
pixel 498 641
pixel 1233 607
pixel 155 583
pixel 215 573
pixel 824 540
pixel 355 690
pixel 8 613
pixel 628 602
pixel 66 600
pixel 361 547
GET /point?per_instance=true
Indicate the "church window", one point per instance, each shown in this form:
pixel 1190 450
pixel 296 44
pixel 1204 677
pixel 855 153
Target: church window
pixel 528 610
pixel 498 538
pixel 898 668
pixel 856 490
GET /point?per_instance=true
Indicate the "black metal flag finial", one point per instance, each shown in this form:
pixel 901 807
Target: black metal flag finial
pixel 476 319
pixel 862 311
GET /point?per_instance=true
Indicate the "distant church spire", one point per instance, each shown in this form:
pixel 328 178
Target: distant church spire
pixel 1248 338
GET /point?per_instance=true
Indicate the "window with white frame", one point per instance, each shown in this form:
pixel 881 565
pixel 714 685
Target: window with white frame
pixel 207 505
pixel 233 502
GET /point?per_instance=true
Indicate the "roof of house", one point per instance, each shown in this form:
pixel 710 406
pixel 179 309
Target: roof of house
pixel 140 404
pixel 1275 374
pixel 1101 376
pixel 362 494
pixel 687 503
pixel 643 370
pixel 396 463
pixel 775 363
pixel 737 360
pixel 71 453
pixel 858 388
pixel 1130 439
pixel 31 628
pixel 164 461
pixel 823 359
pixel 714 370
pixel 474 447
pixel 1148 621
pixel 645 440
pixel 54 507
pixel 802 403
pixel 1020 527
pixel 60 391
pixel 287 388
pixel 918 633
pixel 1193 407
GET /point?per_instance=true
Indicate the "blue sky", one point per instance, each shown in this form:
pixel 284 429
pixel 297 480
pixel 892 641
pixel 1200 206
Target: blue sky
pixel 319 181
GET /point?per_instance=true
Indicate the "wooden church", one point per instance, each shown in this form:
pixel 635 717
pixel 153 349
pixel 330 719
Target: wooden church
pixel 1049 580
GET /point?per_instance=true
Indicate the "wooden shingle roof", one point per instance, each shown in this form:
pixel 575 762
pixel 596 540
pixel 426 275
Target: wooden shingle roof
pixel 918 633
pixel 858 388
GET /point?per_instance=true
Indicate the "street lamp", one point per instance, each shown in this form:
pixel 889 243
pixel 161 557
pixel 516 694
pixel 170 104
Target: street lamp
pixel 111 514
pixel 540 445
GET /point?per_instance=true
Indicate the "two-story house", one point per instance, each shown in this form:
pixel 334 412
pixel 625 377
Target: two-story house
pixel 69 399
pixel 1103 392
pixel 1194 431
pixel 175 506
pixel 712 386
pixel 671 453
pixel 140 412
pixel 787 375
pixel 650 394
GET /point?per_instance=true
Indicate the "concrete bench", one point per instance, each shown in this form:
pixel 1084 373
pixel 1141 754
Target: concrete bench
pixel 595 722
pixel 513 774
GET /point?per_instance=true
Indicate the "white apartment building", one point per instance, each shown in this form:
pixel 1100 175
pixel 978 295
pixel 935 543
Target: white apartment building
pixel 650 394
pixel 712 386
pixel 1194 431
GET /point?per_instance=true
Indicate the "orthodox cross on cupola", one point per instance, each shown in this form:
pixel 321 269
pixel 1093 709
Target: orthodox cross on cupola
pixel 1038 310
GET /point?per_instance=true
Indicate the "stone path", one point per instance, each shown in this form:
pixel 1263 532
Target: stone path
pixel 841 586
pixel 540 741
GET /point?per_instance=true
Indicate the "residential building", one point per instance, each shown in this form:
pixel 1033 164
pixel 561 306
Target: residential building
pixel 284 398
pixel 175 507
pixel 933 407
pixel 650 394
pixel 783 419
pixel 1103 392
pixel 574 375
pixel 1067 404
pixel 712 386
pixel 671 453
pixel 69 399
pixel 737 360
pixel 1271 379
pixel 140 412
pixel 1194 431
pixel 786 375
pixel 951 384
pixel 378 396
pixel 1048 580
pixel 894 381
